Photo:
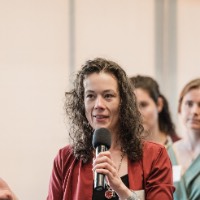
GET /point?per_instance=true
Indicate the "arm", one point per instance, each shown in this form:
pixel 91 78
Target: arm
pixel 159 183
pixel 55 184
pixel 59 185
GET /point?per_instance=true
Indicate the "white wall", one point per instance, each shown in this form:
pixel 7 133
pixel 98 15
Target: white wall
pixel 34 74
pixel 188 40
pixel 35 50
pixel 33 79
pixel 118 30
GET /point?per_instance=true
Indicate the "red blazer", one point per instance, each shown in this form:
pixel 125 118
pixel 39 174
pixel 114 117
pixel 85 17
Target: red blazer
pixel 71 179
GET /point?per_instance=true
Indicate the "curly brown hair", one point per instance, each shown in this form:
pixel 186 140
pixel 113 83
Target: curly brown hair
pixel 129 116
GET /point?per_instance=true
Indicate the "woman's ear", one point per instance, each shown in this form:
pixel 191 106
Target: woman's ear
pixel 160 104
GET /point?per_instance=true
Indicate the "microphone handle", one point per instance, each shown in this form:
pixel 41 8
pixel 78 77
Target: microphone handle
pixel 99 179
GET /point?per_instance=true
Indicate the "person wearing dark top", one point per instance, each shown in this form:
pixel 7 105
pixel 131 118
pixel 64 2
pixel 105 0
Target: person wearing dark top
pixel 134 168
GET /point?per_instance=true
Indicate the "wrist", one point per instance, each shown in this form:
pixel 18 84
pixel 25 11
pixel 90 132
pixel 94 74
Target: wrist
pixel 123 192
pixel 133 196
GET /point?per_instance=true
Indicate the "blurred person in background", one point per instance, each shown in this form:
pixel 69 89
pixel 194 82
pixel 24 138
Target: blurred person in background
pixel 185 154
pixel 154 108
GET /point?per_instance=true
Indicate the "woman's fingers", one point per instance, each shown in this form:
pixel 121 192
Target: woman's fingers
pixel 5 192
pixel 5 195
pixel 104 164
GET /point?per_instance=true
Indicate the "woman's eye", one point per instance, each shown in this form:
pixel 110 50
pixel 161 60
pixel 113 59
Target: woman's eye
pixel 89 96
pixel 107 96
pixel 189 103
pixel 142 105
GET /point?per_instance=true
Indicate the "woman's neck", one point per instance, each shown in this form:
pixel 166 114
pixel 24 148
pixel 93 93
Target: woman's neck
pixel 157 136
pixel 192 139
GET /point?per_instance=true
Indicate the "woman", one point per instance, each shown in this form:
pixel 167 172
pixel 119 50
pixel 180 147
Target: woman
pixel 155 111
pixel 134 169
pixel 185 154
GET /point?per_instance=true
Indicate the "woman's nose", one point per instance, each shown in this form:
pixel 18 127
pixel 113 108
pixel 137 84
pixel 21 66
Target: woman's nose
pixel 99 103
pixel 196 109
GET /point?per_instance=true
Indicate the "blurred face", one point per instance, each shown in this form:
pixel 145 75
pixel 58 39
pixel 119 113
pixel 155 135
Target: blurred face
pixel 102 101
pixel 148 109
pixel 190 110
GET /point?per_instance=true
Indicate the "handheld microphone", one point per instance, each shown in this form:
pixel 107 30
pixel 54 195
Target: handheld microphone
pixel 101 142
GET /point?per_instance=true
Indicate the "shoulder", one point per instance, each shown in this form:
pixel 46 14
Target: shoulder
pixel 157 171
pixel 179 146
pixel 155 158
pixel 152 147
pixel 154 152
pixel 65 155
pixel 67 150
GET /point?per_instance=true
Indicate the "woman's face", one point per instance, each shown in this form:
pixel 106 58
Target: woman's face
pixel 190 110
pixel 148 109
pixel 102 101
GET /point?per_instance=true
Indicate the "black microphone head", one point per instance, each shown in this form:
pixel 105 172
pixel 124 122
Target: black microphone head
pixel 101 136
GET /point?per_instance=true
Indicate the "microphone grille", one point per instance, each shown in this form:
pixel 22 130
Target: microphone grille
pixel 101 136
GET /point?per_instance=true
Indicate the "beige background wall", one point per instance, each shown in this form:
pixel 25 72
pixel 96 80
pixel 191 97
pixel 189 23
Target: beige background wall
pixel 33 78
pixel 43 42
pixel 122 31
pixel 188 42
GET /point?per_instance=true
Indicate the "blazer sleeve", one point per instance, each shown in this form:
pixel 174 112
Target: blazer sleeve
pixel 56 189
pixel 159 182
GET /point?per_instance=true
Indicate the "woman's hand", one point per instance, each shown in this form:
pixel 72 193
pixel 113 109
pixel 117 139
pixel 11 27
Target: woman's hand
pixel 103 164
pixel 5 191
